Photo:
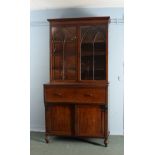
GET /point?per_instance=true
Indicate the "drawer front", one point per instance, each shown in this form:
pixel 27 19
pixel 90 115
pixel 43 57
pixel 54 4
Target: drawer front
pixel 75 94
pixel 53 94
pixel 91 95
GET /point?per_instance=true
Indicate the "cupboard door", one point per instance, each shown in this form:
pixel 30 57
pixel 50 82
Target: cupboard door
pixel 64 53
pixel 59 119
pixel 93 52
pixel 90 121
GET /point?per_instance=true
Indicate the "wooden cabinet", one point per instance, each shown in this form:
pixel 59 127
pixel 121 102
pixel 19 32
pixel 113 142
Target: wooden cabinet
pixel 76 98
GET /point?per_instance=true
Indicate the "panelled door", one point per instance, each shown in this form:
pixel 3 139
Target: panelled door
pixel 59 119
pixel 90 120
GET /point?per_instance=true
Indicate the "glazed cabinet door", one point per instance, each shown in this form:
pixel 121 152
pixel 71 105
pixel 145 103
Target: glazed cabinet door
pixel 93 52
pixel 63 53
pixel 90 121
pixel 59 119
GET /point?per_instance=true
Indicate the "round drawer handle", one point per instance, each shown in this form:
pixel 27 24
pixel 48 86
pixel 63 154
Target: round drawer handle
pixel 57 94
pixel 88 95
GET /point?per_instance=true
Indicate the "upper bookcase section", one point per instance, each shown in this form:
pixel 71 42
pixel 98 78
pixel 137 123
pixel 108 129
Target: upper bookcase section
pixel 79 49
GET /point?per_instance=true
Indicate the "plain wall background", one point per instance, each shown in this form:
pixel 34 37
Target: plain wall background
pixel 39 62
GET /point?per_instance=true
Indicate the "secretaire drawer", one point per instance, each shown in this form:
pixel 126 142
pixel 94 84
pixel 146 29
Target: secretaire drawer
pixel 53 94
pixel 75 94
pixel 91 95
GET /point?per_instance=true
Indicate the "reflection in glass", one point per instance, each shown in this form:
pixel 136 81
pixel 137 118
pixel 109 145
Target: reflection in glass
pixel 93 60
pixel 64 53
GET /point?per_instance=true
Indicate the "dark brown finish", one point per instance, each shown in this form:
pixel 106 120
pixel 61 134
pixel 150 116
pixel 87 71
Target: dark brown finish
pixel 61 122
pixel 79 21
pixel 76 99
pixel 75 94
pixel 89 121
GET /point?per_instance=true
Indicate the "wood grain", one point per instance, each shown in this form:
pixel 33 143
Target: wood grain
pixel 59 119
pixel 89 120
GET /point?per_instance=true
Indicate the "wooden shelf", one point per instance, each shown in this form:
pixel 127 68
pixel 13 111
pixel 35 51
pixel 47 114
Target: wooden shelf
pixel 96 53
pixel 95 69
pixel 67 69
pixel 91 42
pixel 71 54
pixel 59 41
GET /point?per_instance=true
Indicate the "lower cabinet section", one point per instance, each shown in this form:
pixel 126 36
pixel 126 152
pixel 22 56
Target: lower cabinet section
pixel 75 120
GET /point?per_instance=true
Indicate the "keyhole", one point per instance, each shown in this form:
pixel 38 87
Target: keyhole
pixel 118 78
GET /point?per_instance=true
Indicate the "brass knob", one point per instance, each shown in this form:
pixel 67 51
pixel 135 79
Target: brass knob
pixel 58 94
pixel 89 95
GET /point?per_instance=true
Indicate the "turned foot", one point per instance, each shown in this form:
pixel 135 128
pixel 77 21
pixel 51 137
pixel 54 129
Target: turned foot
pixel 106 142
pixel 46 139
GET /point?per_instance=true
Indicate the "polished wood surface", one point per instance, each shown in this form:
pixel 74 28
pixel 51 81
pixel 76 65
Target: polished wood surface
pixel 75 94
pixel 59 119
pixel 79 21
pixel 89 121
pixel 76 97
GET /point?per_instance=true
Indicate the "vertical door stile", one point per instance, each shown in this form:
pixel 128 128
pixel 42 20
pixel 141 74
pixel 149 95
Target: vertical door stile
pixel 107 52
pixel 78 53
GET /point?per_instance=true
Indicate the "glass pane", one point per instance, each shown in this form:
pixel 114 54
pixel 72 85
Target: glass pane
pixel 64 53
pixel 93 49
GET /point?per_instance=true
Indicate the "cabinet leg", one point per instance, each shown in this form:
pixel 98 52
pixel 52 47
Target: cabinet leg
pixel 106 142
pixel 46 139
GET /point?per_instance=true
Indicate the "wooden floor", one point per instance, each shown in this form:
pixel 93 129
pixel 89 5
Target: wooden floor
pixel 74 146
